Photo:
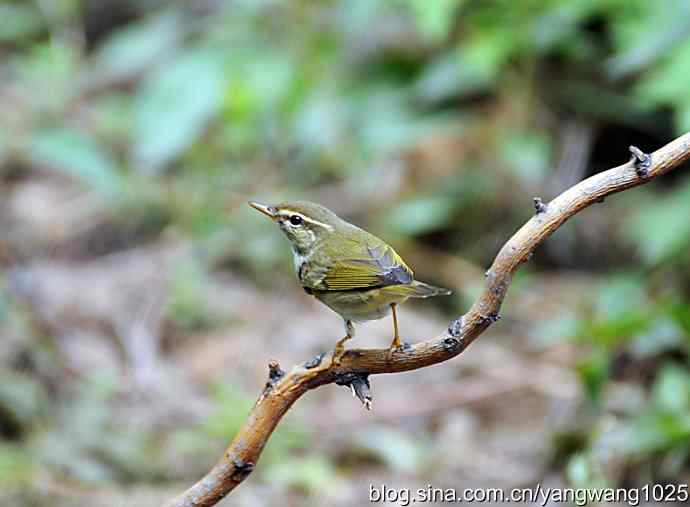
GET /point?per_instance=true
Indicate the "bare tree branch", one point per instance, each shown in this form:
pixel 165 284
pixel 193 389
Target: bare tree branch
pixel 282 389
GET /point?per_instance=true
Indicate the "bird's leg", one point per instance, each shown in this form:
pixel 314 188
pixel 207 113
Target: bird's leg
pixel 340 344
pixel 396 338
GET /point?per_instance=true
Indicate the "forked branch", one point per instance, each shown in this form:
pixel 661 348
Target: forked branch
pixel 282 389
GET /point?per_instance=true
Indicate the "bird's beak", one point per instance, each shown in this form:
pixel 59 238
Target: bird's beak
pixel 269 211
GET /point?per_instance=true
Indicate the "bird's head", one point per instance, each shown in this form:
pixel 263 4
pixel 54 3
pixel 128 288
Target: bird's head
pixel 303 222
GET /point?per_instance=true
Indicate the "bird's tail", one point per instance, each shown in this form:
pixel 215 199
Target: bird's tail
pixel 424 290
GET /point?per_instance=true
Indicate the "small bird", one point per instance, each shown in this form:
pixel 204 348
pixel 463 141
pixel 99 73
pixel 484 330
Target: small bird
pixel 351 271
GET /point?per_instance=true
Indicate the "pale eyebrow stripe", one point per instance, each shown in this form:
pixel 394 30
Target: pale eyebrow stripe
pixel 288 213
pixel 316 222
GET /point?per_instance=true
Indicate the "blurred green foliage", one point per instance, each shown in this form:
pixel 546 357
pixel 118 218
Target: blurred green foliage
pixel 441 118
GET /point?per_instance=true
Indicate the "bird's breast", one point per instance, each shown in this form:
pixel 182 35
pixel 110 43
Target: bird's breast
pixel 299 262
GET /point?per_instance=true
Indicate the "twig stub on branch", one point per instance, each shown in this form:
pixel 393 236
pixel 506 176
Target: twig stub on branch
pixel 539 205
pixel 641 160
pixel 455 326
pixel 314 361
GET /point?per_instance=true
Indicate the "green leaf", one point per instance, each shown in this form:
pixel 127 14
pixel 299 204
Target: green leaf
pixel 672 389
pixel 663 334
pixel 173 106
pixel 21 399
pixel 658 431
pixel 396 449
pixel 682 117
pixel 19 21
pixel 15 467
pixel 310 474
pixel 76 154
pixel 639 42
pixel 593 375
pixel 452 75
pixel 131 49
pixel 666 84
pixel 421 215
pixel 527 154
pixel 661 228
pixel 434 19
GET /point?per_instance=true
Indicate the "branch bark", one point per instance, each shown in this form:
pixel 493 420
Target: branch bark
pixel 282 389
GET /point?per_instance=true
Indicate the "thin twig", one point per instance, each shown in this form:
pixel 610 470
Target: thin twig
pixel 358 364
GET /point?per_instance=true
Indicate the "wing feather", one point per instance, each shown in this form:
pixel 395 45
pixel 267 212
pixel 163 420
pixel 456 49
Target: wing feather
pixel 374 266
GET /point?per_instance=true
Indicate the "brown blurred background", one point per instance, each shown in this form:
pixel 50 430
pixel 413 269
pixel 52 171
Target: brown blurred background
pixel 141 299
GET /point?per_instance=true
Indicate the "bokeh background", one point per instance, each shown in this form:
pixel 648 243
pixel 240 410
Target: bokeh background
pixel 141 299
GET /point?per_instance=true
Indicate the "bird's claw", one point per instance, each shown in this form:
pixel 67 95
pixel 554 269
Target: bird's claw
pixel 338 354
pixel 396 346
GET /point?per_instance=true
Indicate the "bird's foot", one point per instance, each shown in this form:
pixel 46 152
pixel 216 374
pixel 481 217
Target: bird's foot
pixel 339 350
pixel 338 354
pixel 395 346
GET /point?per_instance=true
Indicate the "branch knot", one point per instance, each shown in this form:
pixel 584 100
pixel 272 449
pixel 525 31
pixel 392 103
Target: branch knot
pixel 455 327
pixel 314 361
pixel 641 161
pixel 275 373
pixel 491 318
pixel 539 205
pixel 242 469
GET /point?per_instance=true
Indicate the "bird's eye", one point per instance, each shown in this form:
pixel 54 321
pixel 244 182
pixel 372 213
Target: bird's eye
pixel 296 220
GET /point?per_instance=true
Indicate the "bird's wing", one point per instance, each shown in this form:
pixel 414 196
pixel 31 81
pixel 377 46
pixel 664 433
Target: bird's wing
pixel 371 266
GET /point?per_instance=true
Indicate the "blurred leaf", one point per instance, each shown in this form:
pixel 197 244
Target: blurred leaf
pixel 420 215
pixel 583 471
pixel 661 229
pixel 131 49
pixel 22 399
pixel 396 449
pixel 57 63
pixel 559 23
pixel 593 374
pixel 681 315
pixel 74 445
pixel 309 474
pixel 388 124
pixel 187 298
pixel 663 335
pixel 434 19
pixel 484 54
pixel 664 86
pixel 15 467
pixel 318 125
pixel 578 471
pixel 77 154
pixel 232 407
pixel 622 312
pixel 19 21
pixel 452 75
pixel 557 329
pixel 173 106
pixel 658 431
pixel 610 332
pixel 638 40
pixel 618 294
pixel 683 116
pixel 672 389
pixel 528 154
